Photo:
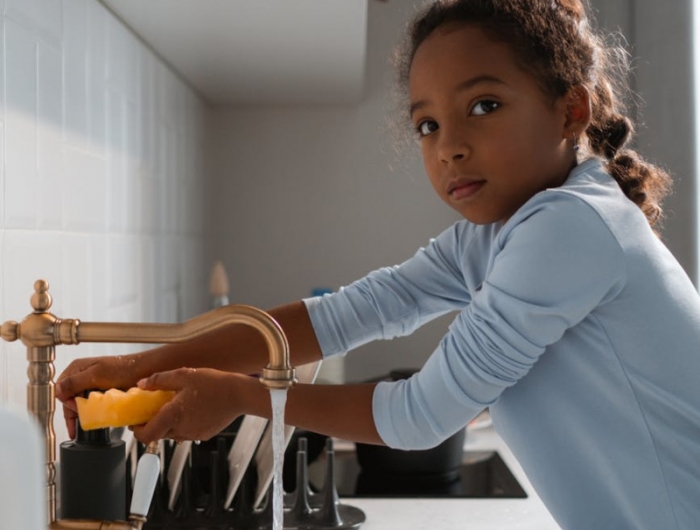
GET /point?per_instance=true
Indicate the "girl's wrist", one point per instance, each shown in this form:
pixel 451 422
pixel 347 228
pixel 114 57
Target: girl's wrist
pixel 144 364
pixel 250 396
pixel 159 359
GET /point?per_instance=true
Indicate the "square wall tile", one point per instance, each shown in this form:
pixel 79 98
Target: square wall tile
pixel 116 163
pixel 97 18
pixel 20 127
pixel 195 294
pixel 148 195
pixel 2 176
pixel 77 268
pixel 147 114
pixel 3 348
pixel 124 264
pixel 99 285
pixel 22 11
pixel 167 259
pixel 3 61
pixel 167 174
pixel 147 280
pixel 50 161
pixel 132 167
pixel 49 20
pixel 85 192
pixel 118 55
pixel 75 52
pixel 168 307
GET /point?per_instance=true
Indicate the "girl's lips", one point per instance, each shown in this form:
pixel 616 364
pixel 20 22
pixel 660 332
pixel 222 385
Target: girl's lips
pixel 464 190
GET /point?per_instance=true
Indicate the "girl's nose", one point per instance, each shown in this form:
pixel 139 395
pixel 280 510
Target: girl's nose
pixel 453 146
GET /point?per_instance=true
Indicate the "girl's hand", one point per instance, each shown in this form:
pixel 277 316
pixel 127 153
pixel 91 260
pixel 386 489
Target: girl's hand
pixel 93 373
pixel 204 404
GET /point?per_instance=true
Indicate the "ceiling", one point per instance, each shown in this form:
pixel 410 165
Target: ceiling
pixel 252 52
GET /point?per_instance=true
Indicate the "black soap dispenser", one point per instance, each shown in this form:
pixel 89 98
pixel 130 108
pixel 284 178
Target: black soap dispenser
pixel 93 476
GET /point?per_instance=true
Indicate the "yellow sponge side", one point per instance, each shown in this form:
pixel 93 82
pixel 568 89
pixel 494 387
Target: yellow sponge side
pixel 116 408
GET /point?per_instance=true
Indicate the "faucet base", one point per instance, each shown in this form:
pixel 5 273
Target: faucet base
pixel 278 378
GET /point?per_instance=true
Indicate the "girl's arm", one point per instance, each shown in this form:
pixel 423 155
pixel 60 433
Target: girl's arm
pixel 208 400
pixel 238 348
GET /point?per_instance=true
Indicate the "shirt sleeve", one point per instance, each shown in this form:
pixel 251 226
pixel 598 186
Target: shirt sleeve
pixel 394 301
pixel 552 265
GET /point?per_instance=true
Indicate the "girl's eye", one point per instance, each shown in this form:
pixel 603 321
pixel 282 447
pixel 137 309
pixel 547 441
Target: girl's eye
pixel 426 127
pixel 484 107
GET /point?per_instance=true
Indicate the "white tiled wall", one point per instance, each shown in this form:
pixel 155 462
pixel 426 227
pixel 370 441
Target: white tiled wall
pixel 101 175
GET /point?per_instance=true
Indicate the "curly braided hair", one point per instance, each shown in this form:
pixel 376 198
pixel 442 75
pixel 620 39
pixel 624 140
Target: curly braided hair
pixel 554 40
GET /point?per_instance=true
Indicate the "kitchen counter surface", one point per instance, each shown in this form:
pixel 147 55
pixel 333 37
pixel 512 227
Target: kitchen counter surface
pixel 462 514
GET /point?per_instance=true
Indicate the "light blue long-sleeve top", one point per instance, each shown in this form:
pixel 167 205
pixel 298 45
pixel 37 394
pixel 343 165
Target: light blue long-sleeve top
pixel 579 330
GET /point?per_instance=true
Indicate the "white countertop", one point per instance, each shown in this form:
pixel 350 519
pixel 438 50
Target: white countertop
pixel 462 514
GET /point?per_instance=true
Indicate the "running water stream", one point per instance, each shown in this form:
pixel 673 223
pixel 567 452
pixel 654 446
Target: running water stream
pixel 279 399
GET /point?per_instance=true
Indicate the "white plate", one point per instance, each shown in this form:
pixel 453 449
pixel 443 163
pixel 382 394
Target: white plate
pixel 241 453
pixel 175 469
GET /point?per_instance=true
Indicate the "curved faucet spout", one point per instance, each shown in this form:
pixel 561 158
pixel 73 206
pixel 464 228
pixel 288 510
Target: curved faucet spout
pixel 41 331
pixel 277 374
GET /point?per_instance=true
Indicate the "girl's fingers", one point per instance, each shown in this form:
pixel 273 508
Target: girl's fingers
pixel 78 377
pixel 70 416
pixel 171 380
pixel 70 405
pixel 161 424
pixel 189 415
pixel 138 433
pixel 72 385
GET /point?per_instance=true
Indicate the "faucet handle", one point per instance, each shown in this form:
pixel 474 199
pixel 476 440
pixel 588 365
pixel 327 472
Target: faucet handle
pixel 10 331
pixel 41 299
pixel 41 302
pixel 147 473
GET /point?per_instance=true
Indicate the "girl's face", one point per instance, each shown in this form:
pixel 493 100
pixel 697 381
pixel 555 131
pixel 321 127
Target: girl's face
pixel 490 137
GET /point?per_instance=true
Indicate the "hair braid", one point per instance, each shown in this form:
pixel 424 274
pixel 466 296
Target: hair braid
pixel 608 133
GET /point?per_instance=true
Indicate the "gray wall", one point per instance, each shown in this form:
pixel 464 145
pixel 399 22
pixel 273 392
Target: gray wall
pixel 317 196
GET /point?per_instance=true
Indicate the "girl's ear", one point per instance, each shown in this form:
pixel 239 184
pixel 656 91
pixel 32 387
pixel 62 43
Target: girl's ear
pixel 577 103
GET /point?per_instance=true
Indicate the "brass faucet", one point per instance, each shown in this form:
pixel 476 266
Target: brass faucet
pixel 41 331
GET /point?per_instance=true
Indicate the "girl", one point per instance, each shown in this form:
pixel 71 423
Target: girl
pixel 576 326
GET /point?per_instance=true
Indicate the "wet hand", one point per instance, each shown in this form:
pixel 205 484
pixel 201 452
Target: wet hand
pixel 93 373
pixel 204 404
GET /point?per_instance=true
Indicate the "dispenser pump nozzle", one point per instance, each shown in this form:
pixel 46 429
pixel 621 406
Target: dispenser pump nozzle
pixel 93 436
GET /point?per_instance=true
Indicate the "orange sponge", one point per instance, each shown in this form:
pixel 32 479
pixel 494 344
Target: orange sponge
pixel 116 408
